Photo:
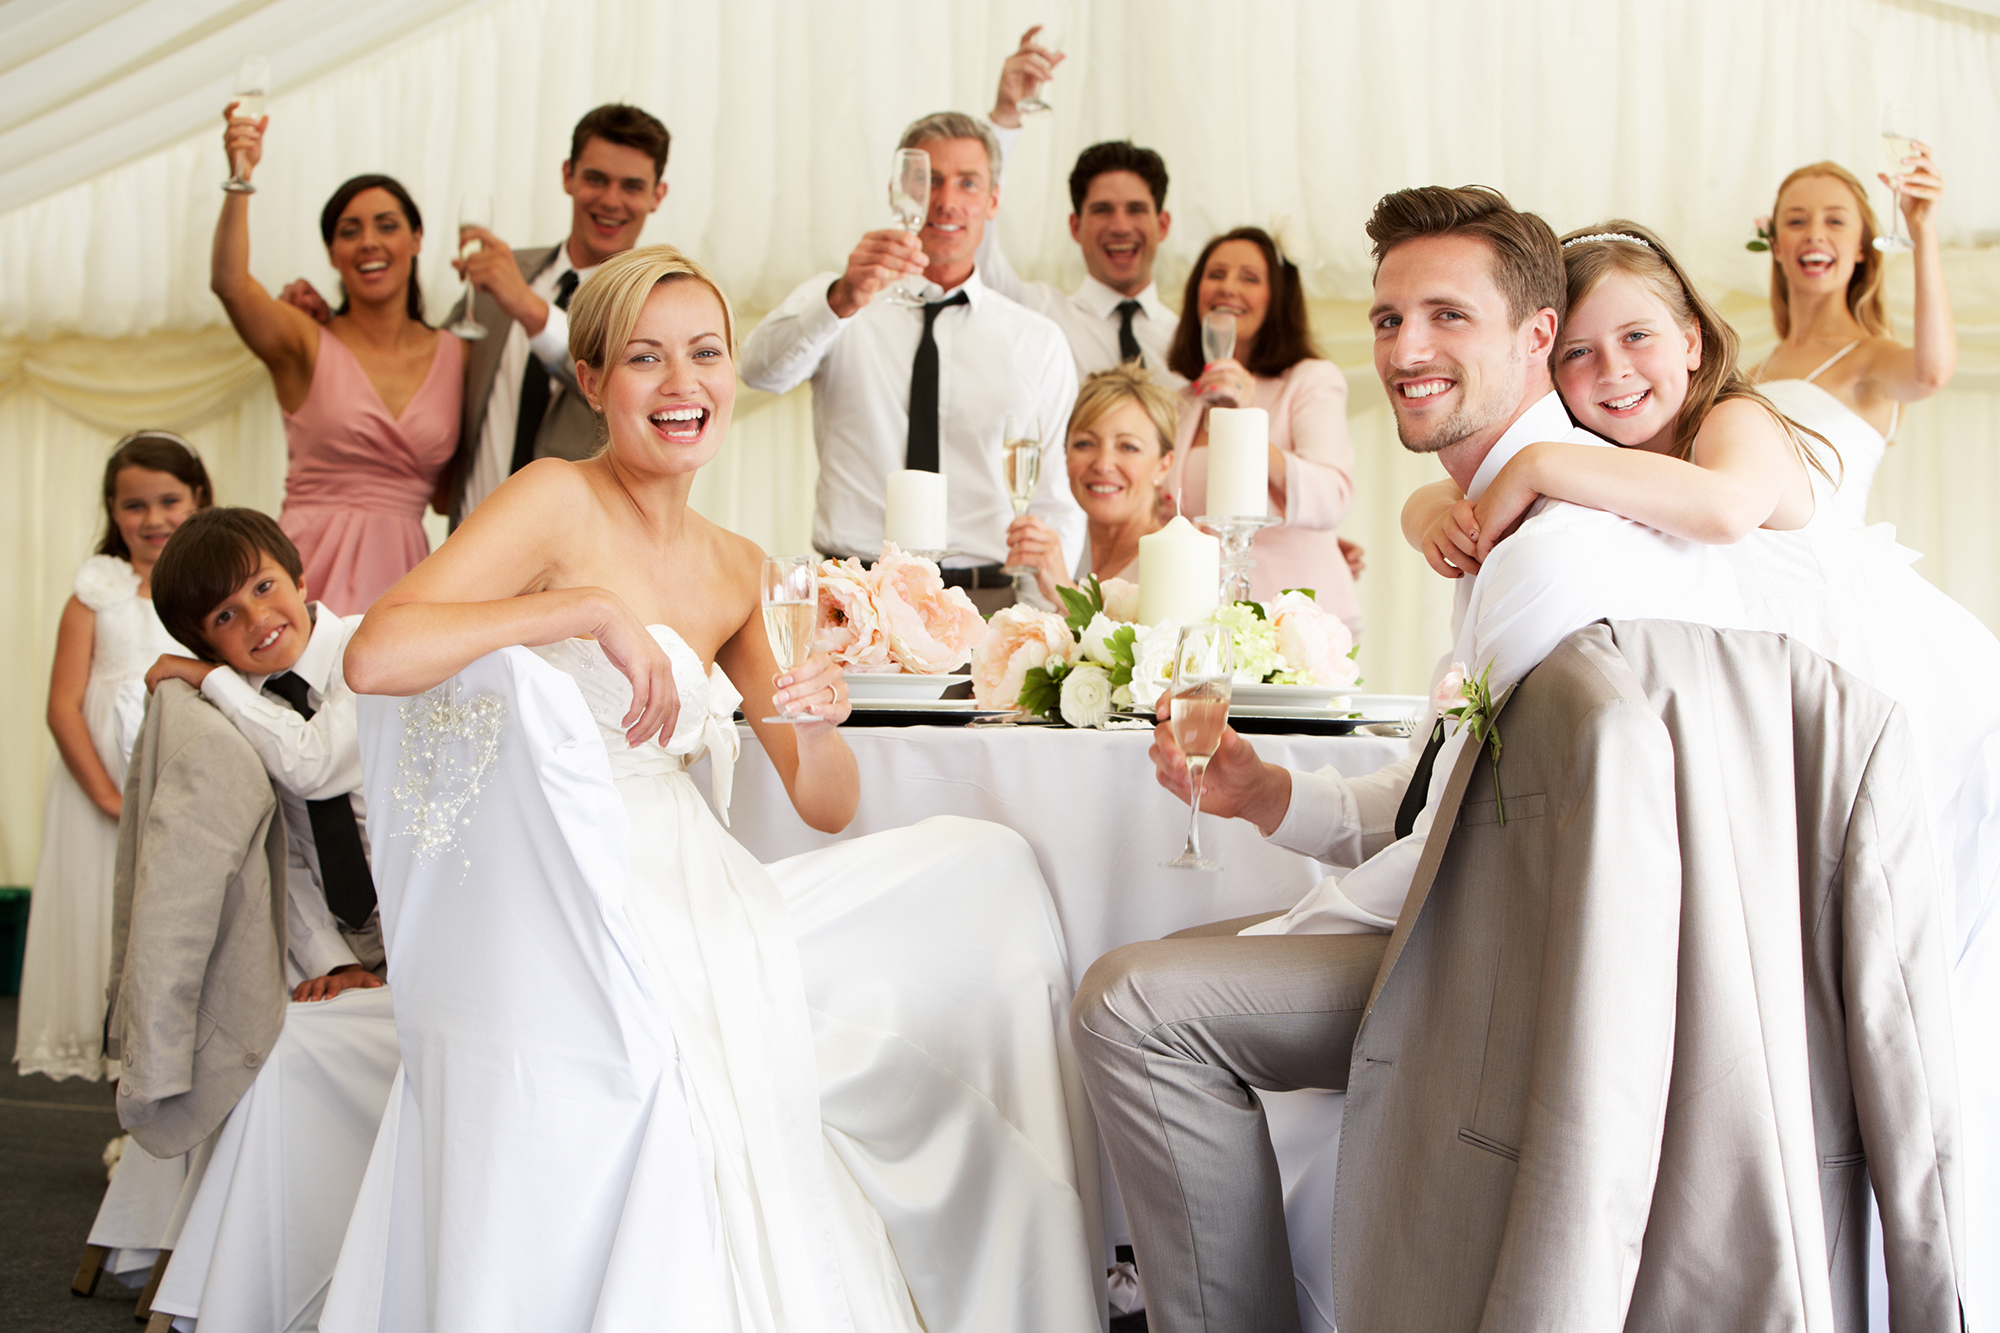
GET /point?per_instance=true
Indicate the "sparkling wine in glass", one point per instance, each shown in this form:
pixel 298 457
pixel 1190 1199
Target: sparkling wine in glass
pixel 1021 465
pixel 1050 39
pixel 253 79
pixel 474 210
pixel 910 198
pixel 1198 710
pixel 1898 142
pixel 1218 343
pixel 791 612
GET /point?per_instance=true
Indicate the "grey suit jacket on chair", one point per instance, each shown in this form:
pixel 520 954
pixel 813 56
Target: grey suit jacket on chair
pixel 1632 1054
pixel 569 427
pixel 197 992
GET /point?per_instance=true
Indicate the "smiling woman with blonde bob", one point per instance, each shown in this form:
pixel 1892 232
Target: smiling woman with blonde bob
pixel 907 988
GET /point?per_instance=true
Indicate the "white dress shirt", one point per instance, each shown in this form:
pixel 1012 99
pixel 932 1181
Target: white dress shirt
pixel 1565 567
pixel 308 760
pixel 1088 316
pixel 994 358
pixel 494 458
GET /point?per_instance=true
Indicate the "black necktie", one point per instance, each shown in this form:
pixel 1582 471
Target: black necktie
pixel 1128 341
pixel 1419 790
pixel 923 450
pixel 535 388
pixel 343 865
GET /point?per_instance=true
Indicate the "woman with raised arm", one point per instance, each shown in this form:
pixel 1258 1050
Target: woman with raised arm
pixel 1310 459
pixel 371 401
pixel 867 1063
pixel 1838 368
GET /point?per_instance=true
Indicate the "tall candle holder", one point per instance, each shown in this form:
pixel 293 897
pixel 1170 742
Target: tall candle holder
pixel 1237 531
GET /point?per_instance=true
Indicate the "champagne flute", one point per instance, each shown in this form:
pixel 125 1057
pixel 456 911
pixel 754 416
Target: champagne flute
pixel 474 210
pixel 1898 142
pixel 791 612
pixel 253 78
pixel 1198 710
pixel 910 197
pixel 1050 39
pixel 1021 464
pixel 1218 343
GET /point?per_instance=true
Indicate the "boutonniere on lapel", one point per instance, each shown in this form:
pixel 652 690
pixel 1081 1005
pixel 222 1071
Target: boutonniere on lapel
pixel 1469 702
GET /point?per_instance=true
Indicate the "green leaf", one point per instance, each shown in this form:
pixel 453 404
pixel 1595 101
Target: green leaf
pixel 1757 246
pixel 1081 605
pixel 1255 609
pixel 1041 692
pixel 1310 592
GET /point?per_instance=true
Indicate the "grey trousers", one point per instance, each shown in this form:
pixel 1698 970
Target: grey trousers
pixel 1173 1038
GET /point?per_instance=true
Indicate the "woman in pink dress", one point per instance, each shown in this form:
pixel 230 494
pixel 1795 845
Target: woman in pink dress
pixel 1277 369
pixel 371 400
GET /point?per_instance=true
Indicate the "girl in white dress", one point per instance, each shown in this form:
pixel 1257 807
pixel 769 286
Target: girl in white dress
pixel 106 639
pixel 1836 368
pixel 1642 360
pixel 832 1093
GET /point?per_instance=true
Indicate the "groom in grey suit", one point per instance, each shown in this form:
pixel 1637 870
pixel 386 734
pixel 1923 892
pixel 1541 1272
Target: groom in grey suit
pixel 521 397
pixel 1172 1036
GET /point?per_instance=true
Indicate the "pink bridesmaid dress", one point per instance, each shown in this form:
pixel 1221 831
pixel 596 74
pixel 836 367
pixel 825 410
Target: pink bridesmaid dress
pixel 360 477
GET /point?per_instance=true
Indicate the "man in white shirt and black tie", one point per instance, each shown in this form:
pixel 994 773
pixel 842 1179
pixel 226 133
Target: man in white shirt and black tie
pixel 1118 194
pixel 898 386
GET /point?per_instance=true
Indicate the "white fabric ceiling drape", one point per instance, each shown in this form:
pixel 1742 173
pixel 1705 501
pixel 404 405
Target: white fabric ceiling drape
pixel 1682 116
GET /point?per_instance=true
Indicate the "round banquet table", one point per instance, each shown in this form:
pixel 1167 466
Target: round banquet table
pixel 1100 825
pixel 1086 802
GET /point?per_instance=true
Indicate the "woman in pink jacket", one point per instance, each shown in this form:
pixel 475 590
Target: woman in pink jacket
pixel 1275 368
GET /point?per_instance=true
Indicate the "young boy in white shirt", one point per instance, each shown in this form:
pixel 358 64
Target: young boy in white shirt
pixel 230 588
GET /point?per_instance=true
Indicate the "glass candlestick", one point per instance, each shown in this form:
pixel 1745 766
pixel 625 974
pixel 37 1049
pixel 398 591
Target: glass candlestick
pixel 1237 531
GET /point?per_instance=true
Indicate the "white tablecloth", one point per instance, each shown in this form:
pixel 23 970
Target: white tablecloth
pixel 1085 800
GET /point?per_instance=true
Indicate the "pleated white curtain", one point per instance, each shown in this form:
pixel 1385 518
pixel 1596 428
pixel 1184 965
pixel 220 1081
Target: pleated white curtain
pixel 784 112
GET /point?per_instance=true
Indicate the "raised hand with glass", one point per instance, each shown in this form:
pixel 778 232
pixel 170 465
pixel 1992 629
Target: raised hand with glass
pixel 1021 467
pixel 910 199
pixel 253 80
pixel 1198 710
pixel 474 210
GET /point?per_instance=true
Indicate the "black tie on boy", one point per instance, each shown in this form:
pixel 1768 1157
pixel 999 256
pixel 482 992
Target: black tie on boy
pixel 343 865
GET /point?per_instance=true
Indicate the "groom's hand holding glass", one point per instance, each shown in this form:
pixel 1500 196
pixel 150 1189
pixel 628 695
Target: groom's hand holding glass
pixel 1238 784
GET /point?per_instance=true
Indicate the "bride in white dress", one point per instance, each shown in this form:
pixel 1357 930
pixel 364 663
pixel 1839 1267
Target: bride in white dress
pixel 1836 369
pixel 649 1081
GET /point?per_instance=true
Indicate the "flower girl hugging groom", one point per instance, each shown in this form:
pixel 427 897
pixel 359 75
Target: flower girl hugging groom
pixel 229 586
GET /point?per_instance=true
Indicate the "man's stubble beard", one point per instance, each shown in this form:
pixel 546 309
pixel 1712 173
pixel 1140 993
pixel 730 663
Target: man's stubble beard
pixel 1467 420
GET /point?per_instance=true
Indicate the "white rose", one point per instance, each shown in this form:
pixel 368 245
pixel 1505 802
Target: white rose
pixel 1086 696
pixel 1095 641
pixel 1121 698
pixel 1153 663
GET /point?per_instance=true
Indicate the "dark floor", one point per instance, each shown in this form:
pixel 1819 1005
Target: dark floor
pixel 52 1138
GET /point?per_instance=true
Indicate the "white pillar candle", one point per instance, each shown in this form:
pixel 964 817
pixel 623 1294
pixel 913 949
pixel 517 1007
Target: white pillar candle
pixel 1239 451
pixel 914 517
pixel 1180 574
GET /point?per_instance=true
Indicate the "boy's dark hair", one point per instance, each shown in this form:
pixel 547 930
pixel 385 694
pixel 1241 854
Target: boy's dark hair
pixel 206 560
pixel 626 126
pixel 1117 155
pixel 156 451
pixel 1284 338
pixel 336 204
pixel 1527 260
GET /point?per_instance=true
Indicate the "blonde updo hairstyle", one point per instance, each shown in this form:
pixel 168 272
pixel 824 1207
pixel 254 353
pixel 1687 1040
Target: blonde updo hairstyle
pixel 1105 390
pixel 1590 256
pixel 1864 286
pixel 608 305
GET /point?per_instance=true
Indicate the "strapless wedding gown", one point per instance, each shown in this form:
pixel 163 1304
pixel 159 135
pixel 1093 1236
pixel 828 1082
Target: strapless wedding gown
pixel 1860 445
pixel 650 1082
pixel 1849 593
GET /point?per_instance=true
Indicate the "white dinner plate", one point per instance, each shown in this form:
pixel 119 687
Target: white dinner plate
pixel 883 686
pixel 1291 696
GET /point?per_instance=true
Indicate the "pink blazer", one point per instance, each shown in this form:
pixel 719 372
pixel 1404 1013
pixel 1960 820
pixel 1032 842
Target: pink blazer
pixel 1308 407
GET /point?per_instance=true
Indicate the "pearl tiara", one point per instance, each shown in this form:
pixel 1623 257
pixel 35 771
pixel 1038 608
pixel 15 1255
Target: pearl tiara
pixel 1607 236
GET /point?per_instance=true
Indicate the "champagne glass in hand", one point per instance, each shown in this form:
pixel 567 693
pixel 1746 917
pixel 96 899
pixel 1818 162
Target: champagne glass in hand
pixel 1218 343
pixel 910 197
pixel 474 210
pixel 1050 39
pixel 1198 703
pixel 253 78
pixel 1898 142
pixel 1021 464
pixel 791 613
